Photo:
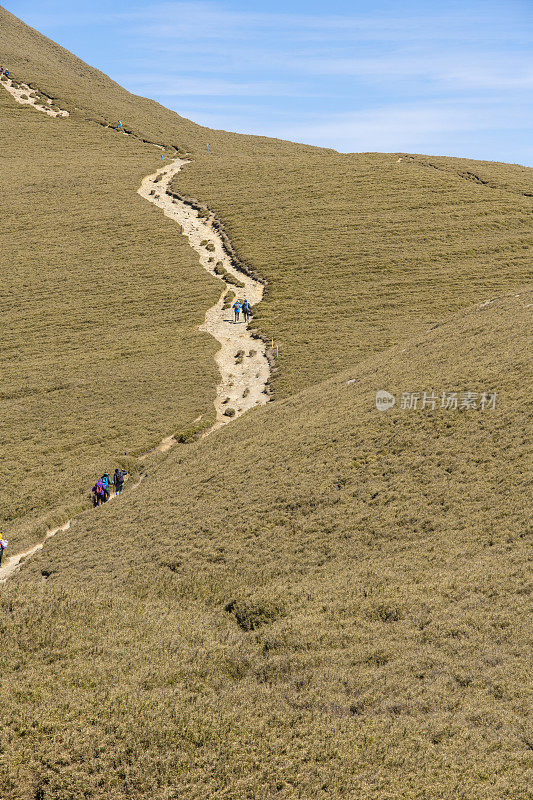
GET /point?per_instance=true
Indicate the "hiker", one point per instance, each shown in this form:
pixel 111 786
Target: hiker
pixel 105 483
pixel 237 309
pixel 118 480
pixel 246 310
pixel 3 545
pixel 98 492
pixel 119 126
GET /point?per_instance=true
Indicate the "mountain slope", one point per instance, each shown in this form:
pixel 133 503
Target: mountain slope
pixel 362 251
pixel 101 301
pixel 359 252
pixel 321 600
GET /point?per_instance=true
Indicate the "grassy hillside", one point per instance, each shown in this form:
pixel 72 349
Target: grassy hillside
pixel 321 600
pixel 100 303
pixel 329 609
pixel 80 245
pixel 360 251
pixel 363 251
pixel 89 94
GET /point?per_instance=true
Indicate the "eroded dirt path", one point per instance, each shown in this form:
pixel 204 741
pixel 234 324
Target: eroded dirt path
pixel 10 565
pixel 242 360
pixel 27 96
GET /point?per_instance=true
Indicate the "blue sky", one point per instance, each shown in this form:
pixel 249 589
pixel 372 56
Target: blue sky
pixel 454 78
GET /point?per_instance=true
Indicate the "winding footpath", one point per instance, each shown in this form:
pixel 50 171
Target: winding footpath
pixel 242 359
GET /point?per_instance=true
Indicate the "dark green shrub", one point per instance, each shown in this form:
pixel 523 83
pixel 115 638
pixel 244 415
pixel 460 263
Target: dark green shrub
pixel 228 299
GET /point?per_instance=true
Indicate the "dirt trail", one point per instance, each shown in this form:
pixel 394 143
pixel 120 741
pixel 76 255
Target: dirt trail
pixel 12 564
pixel 23 95
pixel 242 360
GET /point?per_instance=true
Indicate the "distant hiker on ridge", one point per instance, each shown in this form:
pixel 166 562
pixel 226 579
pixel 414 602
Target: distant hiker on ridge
pixel 119 126
pixel 246 310
pixel 237 309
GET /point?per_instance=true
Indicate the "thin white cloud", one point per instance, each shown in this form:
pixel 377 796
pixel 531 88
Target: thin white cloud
pixel 398 128
pixel 164 86
pixel 455 70
pixel 361 81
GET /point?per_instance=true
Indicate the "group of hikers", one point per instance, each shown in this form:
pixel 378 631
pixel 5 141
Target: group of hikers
pixel 4 71
pixel 101 494
pixel 245 307
pixel 102 488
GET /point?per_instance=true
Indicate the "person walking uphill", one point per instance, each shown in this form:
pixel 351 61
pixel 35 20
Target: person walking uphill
pixel 98 492
pixel 246 310
pixel 237 309
pixel 118 480
pixel 105 482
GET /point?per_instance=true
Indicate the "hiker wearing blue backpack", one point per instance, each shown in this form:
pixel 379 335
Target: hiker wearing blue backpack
pixel 237 309
pixel 105 483
pixel 246 310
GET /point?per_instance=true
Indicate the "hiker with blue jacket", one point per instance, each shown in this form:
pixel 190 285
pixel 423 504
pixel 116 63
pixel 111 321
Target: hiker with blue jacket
pixel 237 309
pixel 105 483
pixel 246 310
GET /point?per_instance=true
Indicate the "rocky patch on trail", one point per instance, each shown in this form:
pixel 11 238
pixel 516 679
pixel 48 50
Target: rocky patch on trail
pixel 28 96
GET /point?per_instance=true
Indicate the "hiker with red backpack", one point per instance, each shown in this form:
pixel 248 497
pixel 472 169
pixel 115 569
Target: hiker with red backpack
pixel 98 493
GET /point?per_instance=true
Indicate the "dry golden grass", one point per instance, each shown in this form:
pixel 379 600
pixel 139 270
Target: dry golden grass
pixel 78 241
pixel 319 600
pixel 335 609
pixel 101 300
pixel 363 251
